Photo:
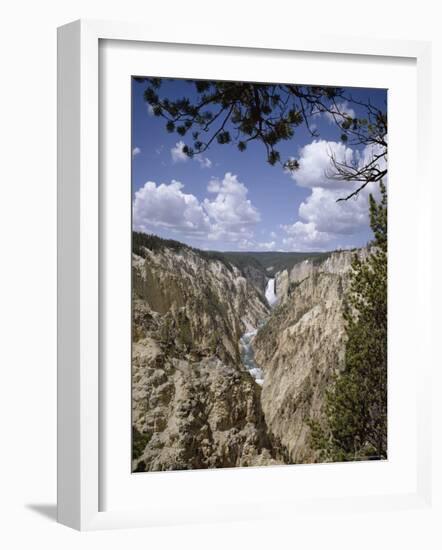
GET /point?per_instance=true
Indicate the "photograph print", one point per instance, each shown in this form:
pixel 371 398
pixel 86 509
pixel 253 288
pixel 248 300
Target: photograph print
pixel 259 274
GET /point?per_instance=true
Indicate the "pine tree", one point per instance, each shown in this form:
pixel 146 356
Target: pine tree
pixel 239 113
pixel 354 426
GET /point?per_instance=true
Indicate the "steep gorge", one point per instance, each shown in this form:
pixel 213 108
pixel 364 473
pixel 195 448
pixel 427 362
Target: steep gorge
pixel 301 347
pixel 196 401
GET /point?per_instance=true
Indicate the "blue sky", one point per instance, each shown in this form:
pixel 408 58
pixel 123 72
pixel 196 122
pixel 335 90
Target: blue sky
pixel 232 200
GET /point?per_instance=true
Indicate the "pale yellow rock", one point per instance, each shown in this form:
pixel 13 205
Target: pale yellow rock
pixel 193 403
pixel 301 347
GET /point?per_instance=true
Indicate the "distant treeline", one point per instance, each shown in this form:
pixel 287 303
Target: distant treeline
pixel 272 262
pixel 267 262
pixel 155 243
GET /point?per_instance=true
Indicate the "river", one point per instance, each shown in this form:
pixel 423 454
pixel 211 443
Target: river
pixel 248 357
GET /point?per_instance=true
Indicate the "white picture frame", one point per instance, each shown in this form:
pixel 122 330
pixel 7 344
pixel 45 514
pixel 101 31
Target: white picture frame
pixel 79 275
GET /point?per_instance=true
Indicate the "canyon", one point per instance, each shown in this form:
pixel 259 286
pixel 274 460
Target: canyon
pixel 231 354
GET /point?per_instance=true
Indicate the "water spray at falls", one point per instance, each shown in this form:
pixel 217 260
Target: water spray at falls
pixel 270 292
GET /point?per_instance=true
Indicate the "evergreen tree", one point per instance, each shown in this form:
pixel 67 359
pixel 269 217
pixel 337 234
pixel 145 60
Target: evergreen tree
pixel 354 426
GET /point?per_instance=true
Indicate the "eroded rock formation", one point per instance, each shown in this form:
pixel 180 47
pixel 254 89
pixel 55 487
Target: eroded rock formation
pixel 194 403
pixel 300 348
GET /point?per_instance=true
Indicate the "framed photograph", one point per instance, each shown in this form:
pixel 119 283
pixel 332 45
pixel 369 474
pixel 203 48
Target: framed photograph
pixel 234 341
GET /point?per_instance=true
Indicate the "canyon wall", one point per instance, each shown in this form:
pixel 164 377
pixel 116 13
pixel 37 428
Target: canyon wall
pixel 301 347
pixel 194 404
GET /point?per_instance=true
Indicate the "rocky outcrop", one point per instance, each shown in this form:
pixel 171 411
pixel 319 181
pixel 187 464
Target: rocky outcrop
pixel 204 305
pixel 193 403
pixel 189 414
pixel 337 263
pixel 282 285
pixel 257 277
pixel 300 348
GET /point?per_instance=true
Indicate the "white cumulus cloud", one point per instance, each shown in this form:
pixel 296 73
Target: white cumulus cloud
pixel 342 108
pixel 345 217
pixel 245 244
pixel 168 206
pixel 204 162
pixel 267 246
pixel 315 163
pixel 178 155
pixel 229 215
pixel 135 151
pixel 232 213
pixel 305 236
pixel 321 217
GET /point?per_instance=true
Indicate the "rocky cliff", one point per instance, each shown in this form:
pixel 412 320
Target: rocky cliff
pixel 194 404
pixel 195 401
pixel 338 263
pixel 300 348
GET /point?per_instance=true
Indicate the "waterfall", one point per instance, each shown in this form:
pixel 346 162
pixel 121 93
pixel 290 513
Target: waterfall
pixel 270 292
